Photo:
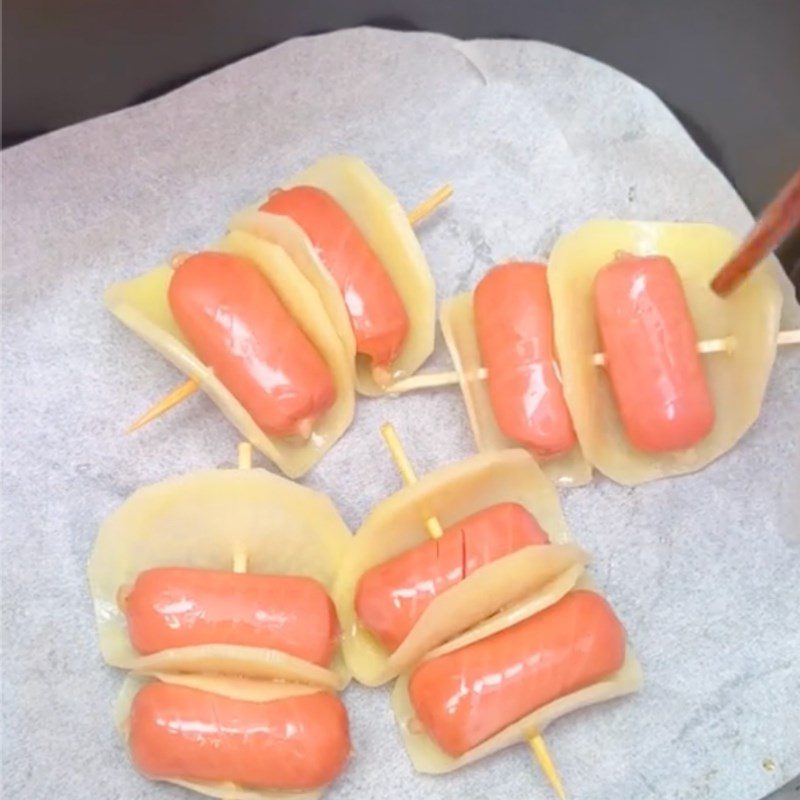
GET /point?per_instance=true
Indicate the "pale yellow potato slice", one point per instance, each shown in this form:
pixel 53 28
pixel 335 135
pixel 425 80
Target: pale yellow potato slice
pixel 510 588
pixel 737 381
pixel 142 305
pixel 457 319
pixel 236 688
pixel 428 757
pixel 204 520
pixel 384 224
pixel 288 235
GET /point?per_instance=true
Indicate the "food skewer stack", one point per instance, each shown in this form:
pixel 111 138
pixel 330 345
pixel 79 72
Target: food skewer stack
pixel 523 314
pixel 298 336
pixel 459 561
pixel 214 591
pixel 465 585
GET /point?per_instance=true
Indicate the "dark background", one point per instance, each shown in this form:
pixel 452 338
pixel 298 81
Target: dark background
pixel 729 69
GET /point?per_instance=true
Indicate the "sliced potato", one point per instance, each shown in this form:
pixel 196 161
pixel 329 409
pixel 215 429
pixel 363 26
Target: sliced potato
pixel 237 688
pixel 288 235
pixel 143 306
pixel 457 319
pixel 512 587
pixel 202 520
pixel 737 381
pixel 428 757
pixel 384 224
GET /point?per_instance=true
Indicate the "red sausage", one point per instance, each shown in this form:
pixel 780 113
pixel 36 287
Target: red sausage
pixel 514 327
pixel 178 607
pixel 651 353
pixel 238 326
pixel 177 732
pixel 391 597
pixel 464 697
pixel 377 313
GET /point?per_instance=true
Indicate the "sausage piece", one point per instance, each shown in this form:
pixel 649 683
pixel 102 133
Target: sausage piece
pixel 514 328
pixel 377 314
pixel 181 607
pixel 651 353
pixel 464 697
pixel 391 597
pixel 238 326
pixel 177 732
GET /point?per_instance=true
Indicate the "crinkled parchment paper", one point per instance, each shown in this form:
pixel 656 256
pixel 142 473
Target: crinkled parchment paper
pixel 704 570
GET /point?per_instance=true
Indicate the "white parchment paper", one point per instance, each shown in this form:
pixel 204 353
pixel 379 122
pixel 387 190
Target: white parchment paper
pixel 704 570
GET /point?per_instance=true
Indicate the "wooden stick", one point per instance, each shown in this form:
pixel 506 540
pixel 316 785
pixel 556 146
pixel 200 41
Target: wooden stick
pixel 434 527
pixel 176 396
pixel 245 461
pixel 432 380
pixel 430 204
pixel 191 385
pixel 407 473
pixel 773 226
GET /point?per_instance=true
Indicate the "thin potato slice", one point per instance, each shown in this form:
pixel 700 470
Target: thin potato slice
pixel 237 688
pixel 428 757
pixel 457 319
pixel 142 305
pixel 288 235
pixel 384 224
pixel 201 520
pixel 737 380
pixel 518 584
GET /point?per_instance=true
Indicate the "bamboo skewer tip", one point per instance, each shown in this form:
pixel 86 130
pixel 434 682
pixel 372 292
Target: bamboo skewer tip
pixel 177 395
pixel 542 755
pixel 244 460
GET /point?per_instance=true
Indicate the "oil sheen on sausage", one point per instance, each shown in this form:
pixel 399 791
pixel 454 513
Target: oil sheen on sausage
pixel 514 329
pixel 466 696
pixel 180 607
pixel 377 314
pixel 177 732
pixel 650 346
pixel 239 327
pixel 391 597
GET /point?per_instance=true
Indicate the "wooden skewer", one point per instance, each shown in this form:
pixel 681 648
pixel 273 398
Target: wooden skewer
pixel 773 226
pixel 431 380
pixel 245 461
pixel 176 396
pixel 191 385
pixel 434 527
pixel 407 473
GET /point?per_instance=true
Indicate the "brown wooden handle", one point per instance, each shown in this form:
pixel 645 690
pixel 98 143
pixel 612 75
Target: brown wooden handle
pixel 773 226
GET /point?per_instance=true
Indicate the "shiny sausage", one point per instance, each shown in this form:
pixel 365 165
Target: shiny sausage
pixel 180 607
pixel 651 353
pixel 391 597
pixel 514 328
pixel 377 314
pixel 238 326
pixel 177 732
pixel 467 696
